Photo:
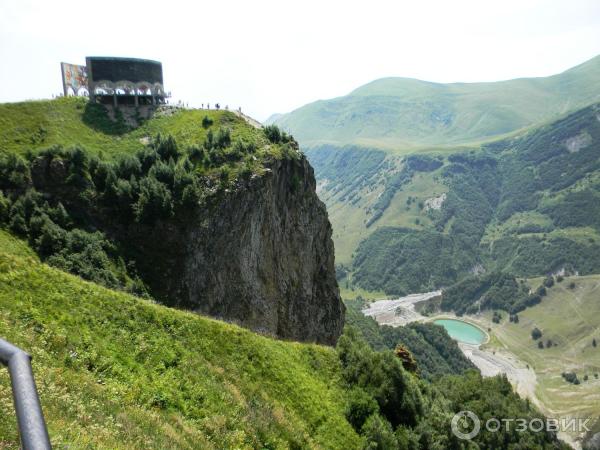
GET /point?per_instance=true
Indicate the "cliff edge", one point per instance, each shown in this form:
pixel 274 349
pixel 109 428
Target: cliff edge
pixel 260 255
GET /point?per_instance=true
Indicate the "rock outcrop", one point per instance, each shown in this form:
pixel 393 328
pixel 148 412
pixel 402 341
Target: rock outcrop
pixel 260 256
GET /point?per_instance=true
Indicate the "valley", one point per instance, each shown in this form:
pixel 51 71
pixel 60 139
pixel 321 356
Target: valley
pixel 569 320
pixel 415 217
pixel 419 222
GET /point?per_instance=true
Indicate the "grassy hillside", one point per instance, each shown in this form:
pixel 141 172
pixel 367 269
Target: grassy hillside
pixel 115 371
pixel 366 188
pixel 401 113
pixel 71 121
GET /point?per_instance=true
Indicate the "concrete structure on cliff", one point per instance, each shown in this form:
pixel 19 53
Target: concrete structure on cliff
pixel 116 81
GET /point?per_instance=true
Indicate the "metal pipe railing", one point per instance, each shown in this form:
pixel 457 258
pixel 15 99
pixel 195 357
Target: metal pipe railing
pixel 32 427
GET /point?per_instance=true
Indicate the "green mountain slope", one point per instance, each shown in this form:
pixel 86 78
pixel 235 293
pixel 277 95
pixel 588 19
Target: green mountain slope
pixel 401 113
pixel 115 371
pixel 569 319
pixel 527 205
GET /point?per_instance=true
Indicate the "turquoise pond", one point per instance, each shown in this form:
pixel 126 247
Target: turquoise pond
pixel 462 331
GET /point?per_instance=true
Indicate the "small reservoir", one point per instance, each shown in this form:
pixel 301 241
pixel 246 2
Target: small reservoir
pixel 462 331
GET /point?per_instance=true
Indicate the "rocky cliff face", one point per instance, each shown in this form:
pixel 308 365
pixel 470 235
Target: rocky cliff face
pixel 260 255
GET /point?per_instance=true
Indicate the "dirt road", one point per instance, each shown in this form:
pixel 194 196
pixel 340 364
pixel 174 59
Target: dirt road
pixel 400 311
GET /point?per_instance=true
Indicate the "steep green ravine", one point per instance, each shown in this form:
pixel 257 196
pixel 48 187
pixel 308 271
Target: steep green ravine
pixel 527 206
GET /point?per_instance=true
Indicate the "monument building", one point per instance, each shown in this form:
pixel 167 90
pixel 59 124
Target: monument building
pixel 117 81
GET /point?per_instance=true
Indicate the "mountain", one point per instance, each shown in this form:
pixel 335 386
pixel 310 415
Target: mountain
pixel 528 205
pixel 394 156
pixel 214 217
pixel 402 114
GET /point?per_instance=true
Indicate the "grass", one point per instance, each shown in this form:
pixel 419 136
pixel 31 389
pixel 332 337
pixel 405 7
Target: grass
pixel 571 319
pixel 115 371
pixel 36 125
pixel 351 292
pixel 348 222
pixel 349 219
pixel 400 214
pixel 497 230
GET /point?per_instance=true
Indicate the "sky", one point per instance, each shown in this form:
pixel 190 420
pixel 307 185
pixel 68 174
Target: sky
pixel 275 56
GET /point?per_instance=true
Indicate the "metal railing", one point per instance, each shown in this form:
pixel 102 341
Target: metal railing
pixel 32 427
